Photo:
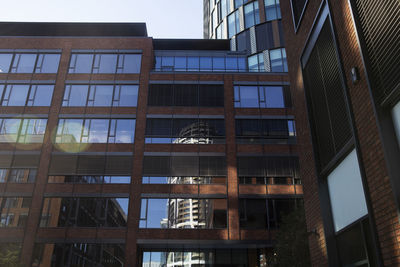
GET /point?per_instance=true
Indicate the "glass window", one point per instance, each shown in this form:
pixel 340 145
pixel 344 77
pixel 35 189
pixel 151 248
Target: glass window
pixel 154 213
pixel 273 97
pixel 81 63
pixel 205 64
pixel 12 209
pixel 32 131
pixel 40 95
pixel 23 63
pixel 232 25
pixel 232 64
pixel 97 132
pixel 253 63
pixel 47 63
pixel 167 63
pixel 129 63
pixel 272 9
pixel 193 63
pixel 127 95
pixel 69 131
pixel 346 192
pixel 5 62
pixel 75 95
pixel 100 95
pixel 125 131
pixel 249 96
pixel 218 63
pixel 180 63
pixel 9 129
pixel 278 60
pixel 251 14
pixel 105 63
pixel 396 120
pixel 16 95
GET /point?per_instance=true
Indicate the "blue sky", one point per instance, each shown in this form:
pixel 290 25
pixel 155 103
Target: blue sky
pixel 164 18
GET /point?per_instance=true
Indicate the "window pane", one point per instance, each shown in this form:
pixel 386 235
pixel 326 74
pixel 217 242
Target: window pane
pixel 157 213
pixel 231 25
pixel 128 95
pixel 346 192
pixel 70 131
pixel 249 96
pixel 9 130
pixel 98 131
pixel 43 95
pixel 5 61
pixel 78 95
pixel 102 95
pixel 274 97
pixel 253 63
pixel 180 63
pixel 32 131
pixel 50 63
pixel 131 63
pixel 125 131
pixel 107 64
pixel 218 63
pixel 83 63
pixel 193 63
pixel 276 60
pixel 396 120
pixel 24 63
pixel 205 64
pixel 18 95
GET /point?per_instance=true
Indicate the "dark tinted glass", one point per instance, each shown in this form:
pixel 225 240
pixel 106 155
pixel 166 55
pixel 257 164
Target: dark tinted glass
pixel 211 95
pixel 160 95
pixel 185 95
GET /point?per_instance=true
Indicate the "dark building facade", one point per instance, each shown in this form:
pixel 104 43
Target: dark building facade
pixel 122 150
pixel 344 72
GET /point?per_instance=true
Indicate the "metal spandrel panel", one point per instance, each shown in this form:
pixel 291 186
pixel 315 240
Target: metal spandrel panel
pixel 267 63
pixel 233 43
pixel 241 18
pixel 253 43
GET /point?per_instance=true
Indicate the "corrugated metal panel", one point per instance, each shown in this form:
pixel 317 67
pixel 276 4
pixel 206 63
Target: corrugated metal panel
pixel 241 18
pixel 267 63
pixel 380 22
pixel 233 43
pixel 253 43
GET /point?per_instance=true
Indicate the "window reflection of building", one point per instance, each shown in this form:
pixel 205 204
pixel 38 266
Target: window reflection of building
pixel 14 211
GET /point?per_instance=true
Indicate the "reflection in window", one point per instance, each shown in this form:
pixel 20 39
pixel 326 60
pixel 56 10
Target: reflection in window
pixel 90 179
pixel 233 24
pixel 265 213
pixel 104 63
pixel 26 94
pixel 78 254
pixel 259 97
pixel 272 9
pixel 185 131
pixel 10 253
pixel 84 212
pixel 22 130
pixel 17 175
pixel 14 211
pixel 251 14
pixel 29 62
pixel 95 131
pixel 186 213
pixel 256 63
pixel 278 60
pixel 184 180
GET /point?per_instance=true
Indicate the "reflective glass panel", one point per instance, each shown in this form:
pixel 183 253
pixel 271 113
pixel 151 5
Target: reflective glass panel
pixel 129 63
pixel 276 60
pixel 9 129
pixel 102 95
pixel 128 95
pixel 107 63
pixel 81 63
pixel 98 131
pixel 205 64
pixel 274 96
pixel 41 95
pixel 125 131
pixel 48 63
pixel 5 61
pixel 24 63
pixel 76 95
pixel 18 94
pixel 249 96
pixel 69 131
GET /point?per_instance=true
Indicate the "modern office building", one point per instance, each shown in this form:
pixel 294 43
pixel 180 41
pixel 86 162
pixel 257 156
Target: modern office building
pixel 343 60
pixel 118 149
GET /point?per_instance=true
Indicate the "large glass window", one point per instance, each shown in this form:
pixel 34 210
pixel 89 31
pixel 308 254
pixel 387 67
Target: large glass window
pixel 95 131
pixel 105 63
pixel 272 9
pixel 251 14
pixel 265 213
pixel 259 96
pixel 185 213
pixel 5 62
pixel 15 175
pixel 14 211
pixel 22 130
pixel 84 212
pixel 78 254
pixel 185 131
pixel 233 24
pixel 256 63
pixel 90 179
pixel 278 60
pixel 346 192
pixel 26 94
pixel 29 62
pixel 264 130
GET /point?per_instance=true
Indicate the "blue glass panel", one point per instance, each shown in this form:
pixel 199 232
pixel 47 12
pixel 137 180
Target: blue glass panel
pixel 180 63
pixel 156 213
pixel 1 90
pixel 107 63
pixel 249 15
pixel 205 64
pixel 78 95
pixel 103 95
pixel 125 131
pixel 98 131
pixel 131 63
pixel 70 131
pixel 253 63
pixel 249 96
pixel 18 95
pixel 231 25
pixel 128 95
pixel 83 63
pixel 276 60
pixel 50 63
pixel 193 63
pixel 117 179
pixel 242 64
pixel 43 95
pixel 167 63
pixel 5 61
pixel 274 97
pixel 218 63
pixel 158 63
pixel 9 129
pixel 24 63
pixel 231 63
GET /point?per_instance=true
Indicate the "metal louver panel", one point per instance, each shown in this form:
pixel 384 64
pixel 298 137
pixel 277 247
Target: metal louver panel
pixel 241 18
pixel 322 80
pixel 253 43
pixel 267 63
pixel 233 43
pixel 380 22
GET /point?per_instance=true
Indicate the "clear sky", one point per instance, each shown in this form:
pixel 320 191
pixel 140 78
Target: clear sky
pixel 164 18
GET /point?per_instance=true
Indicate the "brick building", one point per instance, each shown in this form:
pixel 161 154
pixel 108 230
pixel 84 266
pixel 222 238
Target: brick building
pixel 118 149
pixel 344 73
